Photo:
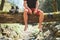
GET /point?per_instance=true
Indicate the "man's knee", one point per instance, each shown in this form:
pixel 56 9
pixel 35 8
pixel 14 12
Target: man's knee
pixel 25 10
pixel 40 11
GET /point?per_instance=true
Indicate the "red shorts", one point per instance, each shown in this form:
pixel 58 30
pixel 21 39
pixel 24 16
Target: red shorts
pixel 38 11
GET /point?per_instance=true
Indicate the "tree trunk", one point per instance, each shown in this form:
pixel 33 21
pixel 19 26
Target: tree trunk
pixel 55 5
pixel 18 18
pixel 2 4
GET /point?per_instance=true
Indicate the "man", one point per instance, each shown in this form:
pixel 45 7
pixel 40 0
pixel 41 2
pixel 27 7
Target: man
pixel 29 7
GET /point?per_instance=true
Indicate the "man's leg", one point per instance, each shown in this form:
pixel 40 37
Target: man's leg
pixel 25 19
pixel 41 18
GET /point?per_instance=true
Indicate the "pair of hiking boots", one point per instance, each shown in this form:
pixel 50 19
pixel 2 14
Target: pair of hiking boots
pixel 14 10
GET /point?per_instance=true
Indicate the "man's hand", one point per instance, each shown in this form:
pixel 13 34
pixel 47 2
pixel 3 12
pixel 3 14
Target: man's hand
pixel 35 11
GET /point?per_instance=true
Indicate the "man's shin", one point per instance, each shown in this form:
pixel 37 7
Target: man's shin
pixel 41 18
pixel 25 20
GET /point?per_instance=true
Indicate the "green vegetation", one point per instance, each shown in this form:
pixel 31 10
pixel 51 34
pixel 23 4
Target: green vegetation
pixel 46 5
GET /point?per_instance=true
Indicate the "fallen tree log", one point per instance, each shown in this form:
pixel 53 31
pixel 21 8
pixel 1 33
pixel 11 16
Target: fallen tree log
pixel 18 18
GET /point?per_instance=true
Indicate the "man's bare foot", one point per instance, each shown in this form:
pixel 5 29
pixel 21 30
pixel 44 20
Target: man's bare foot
pixel 40 27
pixel 25 28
